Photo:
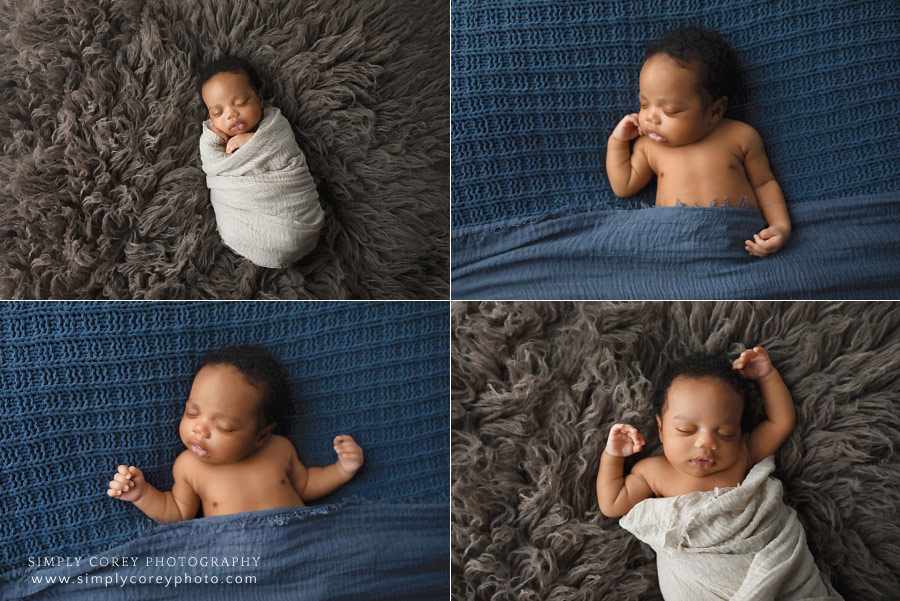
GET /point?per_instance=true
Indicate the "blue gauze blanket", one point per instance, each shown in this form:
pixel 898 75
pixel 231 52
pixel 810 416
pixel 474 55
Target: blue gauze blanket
pixel 86 386
pixel 346 551
pixel 539 85
pixel 844 248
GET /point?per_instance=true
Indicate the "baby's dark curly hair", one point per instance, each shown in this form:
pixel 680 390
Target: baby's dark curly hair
pixel 702 366
pixel 262 370
pixel 230 64
pixel 718 68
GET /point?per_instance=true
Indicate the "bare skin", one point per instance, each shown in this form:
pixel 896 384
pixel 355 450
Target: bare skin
pixel 235 108
pixel 703 447
pixel 231 465
pixel 699 157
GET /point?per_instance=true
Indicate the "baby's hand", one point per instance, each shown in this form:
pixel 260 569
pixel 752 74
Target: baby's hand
pixel 237 141
pixel 219 132
pixel 628 128
pixel 128 484
pixel 766 242
pixel 624 440
pixel 350 455
pixel 754 363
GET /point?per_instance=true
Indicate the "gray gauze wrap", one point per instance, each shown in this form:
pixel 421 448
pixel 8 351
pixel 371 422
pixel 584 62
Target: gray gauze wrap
pixel 737 543
pixel 266 204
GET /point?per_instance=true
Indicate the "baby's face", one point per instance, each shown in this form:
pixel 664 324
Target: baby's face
pixel 234 107
pixel 672 112
pixel 220 418
pixel 700 428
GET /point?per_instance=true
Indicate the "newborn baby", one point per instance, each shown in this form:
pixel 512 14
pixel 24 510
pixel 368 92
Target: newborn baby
pixel 713 524
pixel 265 200
pixel 233 462
pixel 698 156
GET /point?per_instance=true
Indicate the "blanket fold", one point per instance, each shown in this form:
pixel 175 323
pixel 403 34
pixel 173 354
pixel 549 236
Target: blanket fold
pixel 841 248
pixel 741 543
pixel 339 551
pixel 265 200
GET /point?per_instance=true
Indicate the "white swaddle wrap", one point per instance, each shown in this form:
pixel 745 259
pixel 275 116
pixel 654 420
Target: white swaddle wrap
pixel 740 543
pixel 266 204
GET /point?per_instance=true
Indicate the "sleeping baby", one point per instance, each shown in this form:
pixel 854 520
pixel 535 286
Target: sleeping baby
pixel 708 505
pixel 233 462
pixel 265 200
pixel 699 157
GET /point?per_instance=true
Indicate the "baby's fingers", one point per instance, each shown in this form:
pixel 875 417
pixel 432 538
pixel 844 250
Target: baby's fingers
pixel 755 249
pixel 116 488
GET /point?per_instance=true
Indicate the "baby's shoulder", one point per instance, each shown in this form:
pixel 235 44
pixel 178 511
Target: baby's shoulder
pixel 280 444
pixel 186 464
pixel 652 470
pixel 740 132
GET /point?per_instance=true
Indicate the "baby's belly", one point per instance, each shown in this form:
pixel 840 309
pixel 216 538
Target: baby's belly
pixel 240 501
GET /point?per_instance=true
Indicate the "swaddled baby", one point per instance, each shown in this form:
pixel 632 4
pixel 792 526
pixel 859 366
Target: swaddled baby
pixel 265 200
pixel 718 523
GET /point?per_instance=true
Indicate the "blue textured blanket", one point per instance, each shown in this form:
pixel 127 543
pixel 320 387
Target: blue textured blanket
pixel 333 552
pixel 844 248
pixel 539 85
pixel 87 386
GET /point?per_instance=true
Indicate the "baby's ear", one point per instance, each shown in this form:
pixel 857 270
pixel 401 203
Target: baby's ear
pixel 659 422
pixel 263 435
pixel 719 106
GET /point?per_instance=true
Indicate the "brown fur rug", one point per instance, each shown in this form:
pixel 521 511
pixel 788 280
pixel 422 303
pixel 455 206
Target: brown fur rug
pixel 101 190
pixel 536 387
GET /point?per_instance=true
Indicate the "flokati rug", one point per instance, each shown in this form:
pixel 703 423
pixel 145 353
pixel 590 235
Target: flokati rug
pixel 536 386
pixel 101 191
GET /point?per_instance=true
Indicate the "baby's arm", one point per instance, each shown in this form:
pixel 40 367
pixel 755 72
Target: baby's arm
pixel 768 436
pixel 222 135
pixel 770 198
pixel 315 482
pixel 616 494
pixel 181 503
pixel 628 171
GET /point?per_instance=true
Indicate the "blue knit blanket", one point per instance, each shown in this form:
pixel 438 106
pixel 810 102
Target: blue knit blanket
pixel 345 551
pixel 843 248
pixel 539 85
pixel 87 386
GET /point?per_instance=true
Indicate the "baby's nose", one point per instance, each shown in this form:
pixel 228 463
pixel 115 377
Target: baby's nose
pixel 706 441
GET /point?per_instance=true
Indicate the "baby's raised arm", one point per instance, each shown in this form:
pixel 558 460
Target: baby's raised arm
pixel 315 482
pixel 180 503
pixel 628 171
pixel 781 416
pixel 616 494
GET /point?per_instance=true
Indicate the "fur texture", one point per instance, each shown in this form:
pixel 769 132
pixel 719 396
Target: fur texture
pixel 101 191
pixel 536 387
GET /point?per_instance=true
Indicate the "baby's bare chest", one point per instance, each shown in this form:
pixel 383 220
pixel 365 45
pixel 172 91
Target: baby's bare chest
pixel 687 164
pixel 260 478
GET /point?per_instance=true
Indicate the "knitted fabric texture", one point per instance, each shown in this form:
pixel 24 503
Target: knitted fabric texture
pixel 265 199
pixel 539 85
pixel 86 387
